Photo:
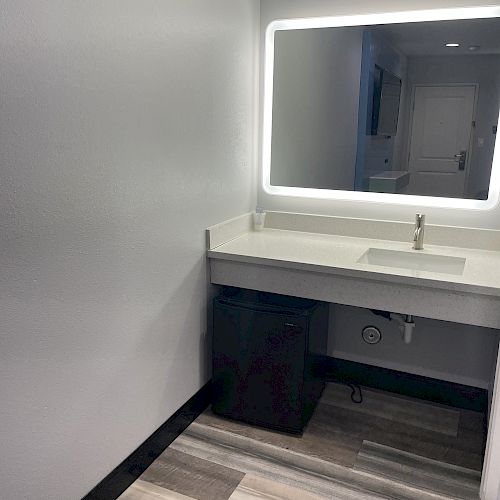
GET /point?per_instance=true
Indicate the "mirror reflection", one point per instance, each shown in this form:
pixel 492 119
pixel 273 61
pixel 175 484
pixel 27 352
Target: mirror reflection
pixel 404 108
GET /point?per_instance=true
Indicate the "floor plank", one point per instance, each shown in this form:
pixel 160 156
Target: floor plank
pixel 336 433
pixel 457 482
pixel 387 447
pixel 142 490
pixel 466 449
pixel 437 418
pixel 193 477
pixel 320 439
pixel 472 421
pixel 259 488
pixel 317 476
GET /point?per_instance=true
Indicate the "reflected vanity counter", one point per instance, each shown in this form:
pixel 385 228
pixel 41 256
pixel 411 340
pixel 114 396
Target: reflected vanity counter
pixel 389 181
pixel 364 263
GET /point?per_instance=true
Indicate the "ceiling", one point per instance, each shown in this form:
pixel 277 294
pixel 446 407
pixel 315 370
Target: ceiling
pixel 429 38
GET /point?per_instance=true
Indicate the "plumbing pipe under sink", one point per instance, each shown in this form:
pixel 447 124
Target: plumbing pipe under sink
pixel 406 325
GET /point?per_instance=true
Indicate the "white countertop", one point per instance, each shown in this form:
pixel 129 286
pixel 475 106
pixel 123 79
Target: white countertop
pixel 335 254
pixel 390 174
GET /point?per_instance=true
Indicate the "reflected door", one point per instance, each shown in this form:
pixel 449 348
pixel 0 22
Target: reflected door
pixel 440 140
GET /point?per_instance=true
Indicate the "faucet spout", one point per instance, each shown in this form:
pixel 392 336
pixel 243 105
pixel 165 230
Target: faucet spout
pixel 418 234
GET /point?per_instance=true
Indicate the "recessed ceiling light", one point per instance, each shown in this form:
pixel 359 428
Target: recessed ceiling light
pixel 453 45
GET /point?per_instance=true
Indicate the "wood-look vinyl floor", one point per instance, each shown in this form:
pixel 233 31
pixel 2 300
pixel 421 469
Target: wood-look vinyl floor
pixel 389 446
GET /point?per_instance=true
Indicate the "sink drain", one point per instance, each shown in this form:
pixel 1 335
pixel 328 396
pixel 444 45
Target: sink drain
pixel 371 335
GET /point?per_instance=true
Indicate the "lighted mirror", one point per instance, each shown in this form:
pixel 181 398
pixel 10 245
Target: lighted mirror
pixel 384 110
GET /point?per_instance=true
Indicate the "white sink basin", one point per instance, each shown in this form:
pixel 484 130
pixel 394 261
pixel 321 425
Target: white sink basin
pixel 414 261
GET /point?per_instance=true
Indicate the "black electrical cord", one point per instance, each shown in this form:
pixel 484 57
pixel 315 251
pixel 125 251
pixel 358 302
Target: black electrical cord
pixel 355 387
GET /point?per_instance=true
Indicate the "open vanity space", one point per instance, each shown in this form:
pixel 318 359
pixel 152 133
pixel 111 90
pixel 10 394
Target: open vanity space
pixel 357 442
pixel 455 278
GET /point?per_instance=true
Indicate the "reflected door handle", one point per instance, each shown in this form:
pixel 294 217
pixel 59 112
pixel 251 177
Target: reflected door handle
pixel 461 157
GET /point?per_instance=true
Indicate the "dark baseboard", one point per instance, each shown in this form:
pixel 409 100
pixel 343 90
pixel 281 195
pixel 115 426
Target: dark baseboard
pixel 117 481
pixel 407 384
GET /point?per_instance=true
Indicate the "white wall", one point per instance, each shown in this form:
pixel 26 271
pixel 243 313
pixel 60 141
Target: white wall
pixel 315 110
pixel 446 351
pixel 276 9
pixel 126 128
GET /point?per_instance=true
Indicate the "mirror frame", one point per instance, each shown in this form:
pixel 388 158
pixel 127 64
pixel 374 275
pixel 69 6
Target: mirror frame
pixel 361 196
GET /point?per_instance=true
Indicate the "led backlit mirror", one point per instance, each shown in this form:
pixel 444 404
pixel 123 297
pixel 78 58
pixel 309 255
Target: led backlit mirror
pixel 383 109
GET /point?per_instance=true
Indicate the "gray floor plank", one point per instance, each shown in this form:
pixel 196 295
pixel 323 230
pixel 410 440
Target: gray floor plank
pixel 193 477
pixel 474 421
pixel 259 488
pixel 142 490
pixel 387 447
pixel 457 482
pixel 336 433
pixel 467 448
pixel 275 471
pixel 320 439
pixel 299 470
pixel 406 410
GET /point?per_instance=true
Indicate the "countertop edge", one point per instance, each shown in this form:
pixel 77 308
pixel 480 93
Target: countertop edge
pixel 370 275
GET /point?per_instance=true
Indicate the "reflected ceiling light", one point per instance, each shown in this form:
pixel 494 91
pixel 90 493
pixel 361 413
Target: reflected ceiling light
pixel 453 45
pixel 473 48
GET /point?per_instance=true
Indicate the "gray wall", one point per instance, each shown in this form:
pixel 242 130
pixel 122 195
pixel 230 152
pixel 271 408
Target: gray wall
pixel 315 110
pixel 126 128
pixel 378 149
pixel 446 351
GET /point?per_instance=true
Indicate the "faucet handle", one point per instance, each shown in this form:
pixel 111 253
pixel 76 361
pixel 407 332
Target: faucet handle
pixel 420 218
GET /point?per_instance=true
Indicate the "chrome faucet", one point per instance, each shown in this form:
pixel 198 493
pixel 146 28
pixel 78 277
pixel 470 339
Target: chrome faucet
pixel 418 234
